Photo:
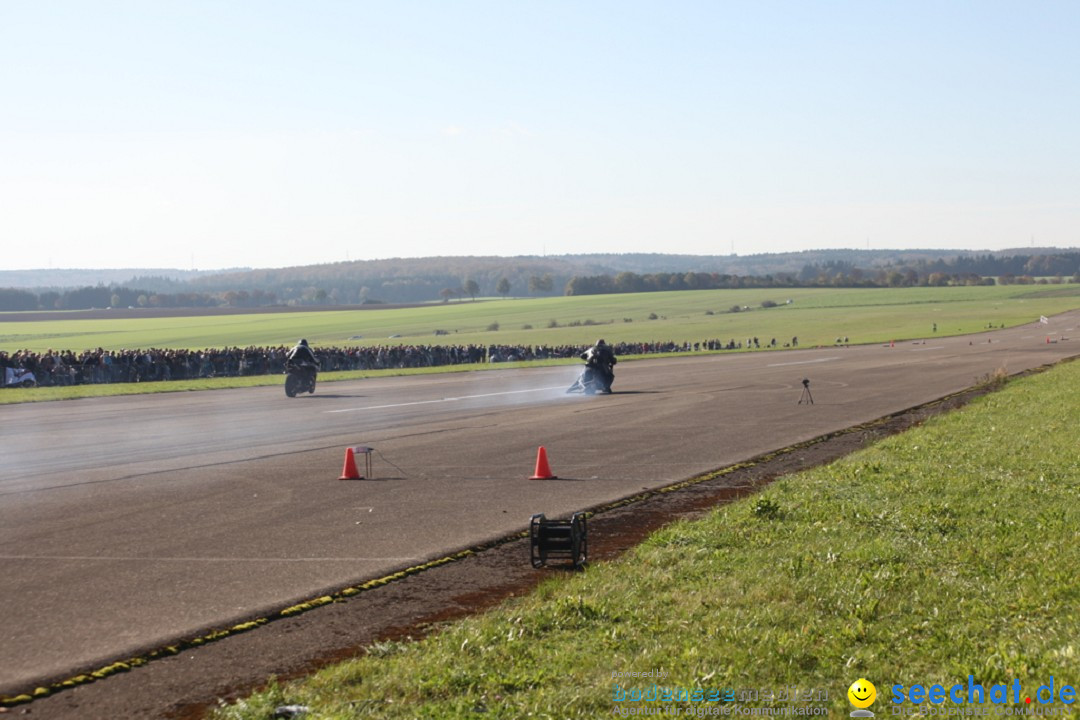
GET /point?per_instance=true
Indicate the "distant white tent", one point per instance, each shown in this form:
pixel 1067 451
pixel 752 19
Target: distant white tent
pixel 1044 320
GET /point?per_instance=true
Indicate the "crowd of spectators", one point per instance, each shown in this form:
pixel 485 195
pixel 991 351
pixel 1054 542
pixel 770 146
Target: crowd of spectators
pixel 64 367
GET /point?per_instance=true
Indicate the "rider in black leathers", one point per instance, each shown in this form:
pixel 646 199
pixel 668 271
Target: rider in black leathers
pixel 303 356
pixel 601 359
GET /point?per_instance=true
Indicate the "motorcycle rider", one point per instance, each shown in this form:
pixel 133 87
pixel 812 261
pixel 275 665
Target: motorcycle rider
pixel 303 356
pixel 601 358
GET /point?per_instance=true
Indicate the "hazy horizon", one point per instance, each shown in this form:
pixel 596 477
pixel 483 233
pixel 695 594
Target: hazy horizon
pixel 946 253
pixel 220 135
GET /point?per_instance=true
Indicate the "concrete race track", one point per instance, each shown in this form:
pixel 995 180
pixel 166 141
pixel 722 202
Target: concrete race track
pixel 129 523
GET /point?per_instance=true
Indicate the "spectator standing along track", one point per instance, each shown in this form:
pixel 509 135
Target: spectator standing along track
pixel 99 366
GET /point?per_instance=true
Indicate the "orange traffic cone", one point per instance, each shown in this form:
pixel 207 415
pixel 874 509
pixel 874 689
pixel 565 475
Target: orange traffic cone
pixel 543 472
pixel 349 472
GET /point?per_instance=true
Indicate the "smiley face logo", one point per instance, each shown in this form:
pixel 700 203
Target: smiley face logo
pixel 862 693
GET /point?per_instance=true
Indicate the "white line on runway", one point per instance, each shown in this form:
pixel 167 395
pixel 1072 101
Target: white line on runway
pixel 442 400
pixel 804 362
pixel 935 347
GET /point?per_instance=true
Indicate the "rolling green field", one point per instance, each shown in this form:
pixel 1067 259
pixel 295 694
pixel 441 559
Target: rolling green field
pixel 815 316
pixel 946 552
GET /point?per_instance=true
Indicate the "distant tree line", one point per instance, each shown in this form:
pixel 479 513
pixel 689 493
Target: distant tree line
pixel 467 278
pixel 401 280
pixel 974 270
pixel 86 298
pixel 822 277
pixel 101 296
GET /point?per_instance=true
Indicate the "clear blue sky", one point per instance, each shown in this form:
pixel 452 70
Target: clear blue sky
pixel 205 134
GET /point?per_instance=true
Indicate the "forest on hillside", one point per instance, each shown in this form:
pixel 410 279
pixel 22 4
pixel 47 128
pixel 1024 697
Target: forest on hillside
pixel 458 278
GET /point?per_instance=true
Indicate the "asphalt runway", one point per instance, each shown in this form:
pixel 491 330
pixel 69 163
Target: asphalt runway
pixel 129 523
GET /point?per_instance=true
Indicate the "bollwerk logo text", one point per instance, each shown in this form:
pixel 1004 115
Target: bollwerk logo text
pixel 966 699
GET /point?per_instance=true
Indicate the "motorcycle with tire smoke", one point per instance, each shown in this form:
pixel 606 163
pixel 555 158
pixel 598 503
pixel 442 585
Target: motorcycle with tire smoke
pixel 596 376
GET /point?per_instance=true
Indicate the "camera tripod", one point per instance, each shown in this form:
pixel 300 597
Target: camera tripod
pixel 806 397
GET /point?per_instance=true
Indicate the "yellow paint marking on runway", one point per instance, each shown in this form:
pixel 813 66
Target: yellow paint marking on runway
pixel 136 558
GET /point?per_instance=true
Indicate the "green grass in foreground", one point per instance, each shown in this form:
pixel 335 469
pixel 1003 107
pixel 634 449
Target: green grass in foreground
pixel 948 551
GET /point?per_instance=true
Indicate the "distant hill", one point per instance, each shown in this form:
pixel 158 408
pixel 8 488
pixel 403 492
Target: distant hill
pixel 422 279
pixel 66 278
pixel 403 280
pixel 409 280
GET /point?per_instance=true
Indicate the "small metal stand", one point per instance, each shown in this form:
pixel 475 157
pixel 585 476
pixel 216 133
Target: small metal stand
pixel 366 452
pixel 806 397
pixel 558 539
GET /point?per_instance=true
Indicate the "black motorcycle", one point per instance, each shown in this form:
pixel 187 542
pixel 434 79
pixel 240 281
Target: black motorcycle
pixel 299 378
pixel 592 379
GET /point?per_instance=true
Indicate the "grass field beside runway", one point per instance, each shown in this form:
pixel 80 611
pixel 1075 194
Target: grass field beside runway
pixel 945 552
pixel 815 316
